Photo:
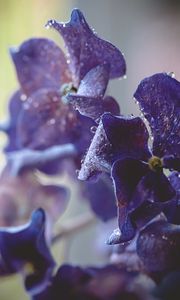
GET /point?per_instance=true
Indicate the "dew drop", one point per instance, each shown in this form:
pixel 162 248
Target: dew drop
pixel 23 97
pixel 47 26
pixel 93 129
pixel 77 172
pixel 171 74
pixel 64 24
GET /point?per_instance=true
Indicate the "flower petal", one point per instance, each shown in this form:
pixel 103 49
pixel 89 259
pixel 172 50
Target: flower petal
pixel 86 50
pixel 39 63
pixel 22 245
pixel 159 100
pixel 128 136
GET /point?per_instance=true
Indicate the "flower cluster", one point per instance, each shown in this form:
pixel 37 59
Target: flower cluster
pixel 62 120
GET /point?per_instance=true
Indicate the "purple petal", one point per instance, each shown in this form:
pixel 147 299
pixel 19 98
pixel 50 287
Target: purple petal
pixel 100 195
pixel 126 174
pixel 128 136
pixel 93 107
pixel 171 162
pixel 158 246
pixel 20 246
pixel 95 82
pixel 98 157
pixel 40 63
pixel 46 121
pixel 159 100
pixel 86 50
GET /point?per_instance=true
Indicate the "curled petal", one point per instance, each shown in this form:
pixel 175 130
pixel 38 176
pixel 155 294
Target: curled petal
pixel 95 82
pixel 21 246
pixel 98 157
pixel 39 63
pixel 159 100
pixel 128 136
pixel 86 50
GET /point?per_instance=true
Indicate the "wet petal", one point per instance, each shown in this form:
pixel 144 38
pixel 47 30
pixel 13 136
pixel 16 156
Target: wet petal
pixel 86 50
pixel 93 107
pixel 98 157
pixel 26 245
pixel 159 100
pixel 39 63
pixel 95 82
pixel 158 246
pixel 128 136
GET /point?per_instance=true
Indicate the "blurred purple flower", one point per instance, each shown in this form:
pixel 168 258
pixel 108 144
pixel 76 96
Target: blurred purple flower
pixel 92 283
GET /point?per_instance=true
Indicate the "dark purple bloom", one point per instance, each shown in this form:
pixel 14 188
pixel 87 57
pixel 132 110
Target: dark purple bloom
pixel 137 173
pixel 23 247
pixel 116 137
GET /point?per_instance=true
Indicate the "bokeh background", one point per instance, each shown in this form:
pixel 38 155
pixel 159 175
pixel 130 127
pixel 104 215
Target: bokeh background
pixel 146 31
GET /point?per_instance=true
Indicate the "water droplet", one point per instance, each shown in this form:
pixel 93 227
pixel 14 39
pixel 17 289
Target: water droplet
pixel 64 24
pixel 125 76
pixel 52 121
pixel 171 74
pixel 47 26
pixel 77 172
pixel 93 129
pixel 23 97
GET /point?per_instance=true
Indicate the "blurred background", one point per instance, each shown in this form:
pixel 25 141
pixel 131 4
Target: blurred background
pixel 146 31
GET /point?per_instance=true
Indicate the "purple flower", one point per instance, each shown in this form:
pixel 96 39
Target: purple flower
pixel 120 147
pixel 25 247
pixel 48 117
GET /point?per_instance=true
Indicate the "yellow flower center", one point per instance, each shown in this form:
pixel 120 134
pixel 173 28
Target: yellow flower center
pixel 155 164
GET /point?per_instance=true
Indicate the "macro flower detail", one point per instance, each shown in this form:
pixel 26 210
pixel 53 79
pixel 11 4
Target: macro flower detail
pixel 25 247
pixel 63 125
pixel 90 51
pixel 159 99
